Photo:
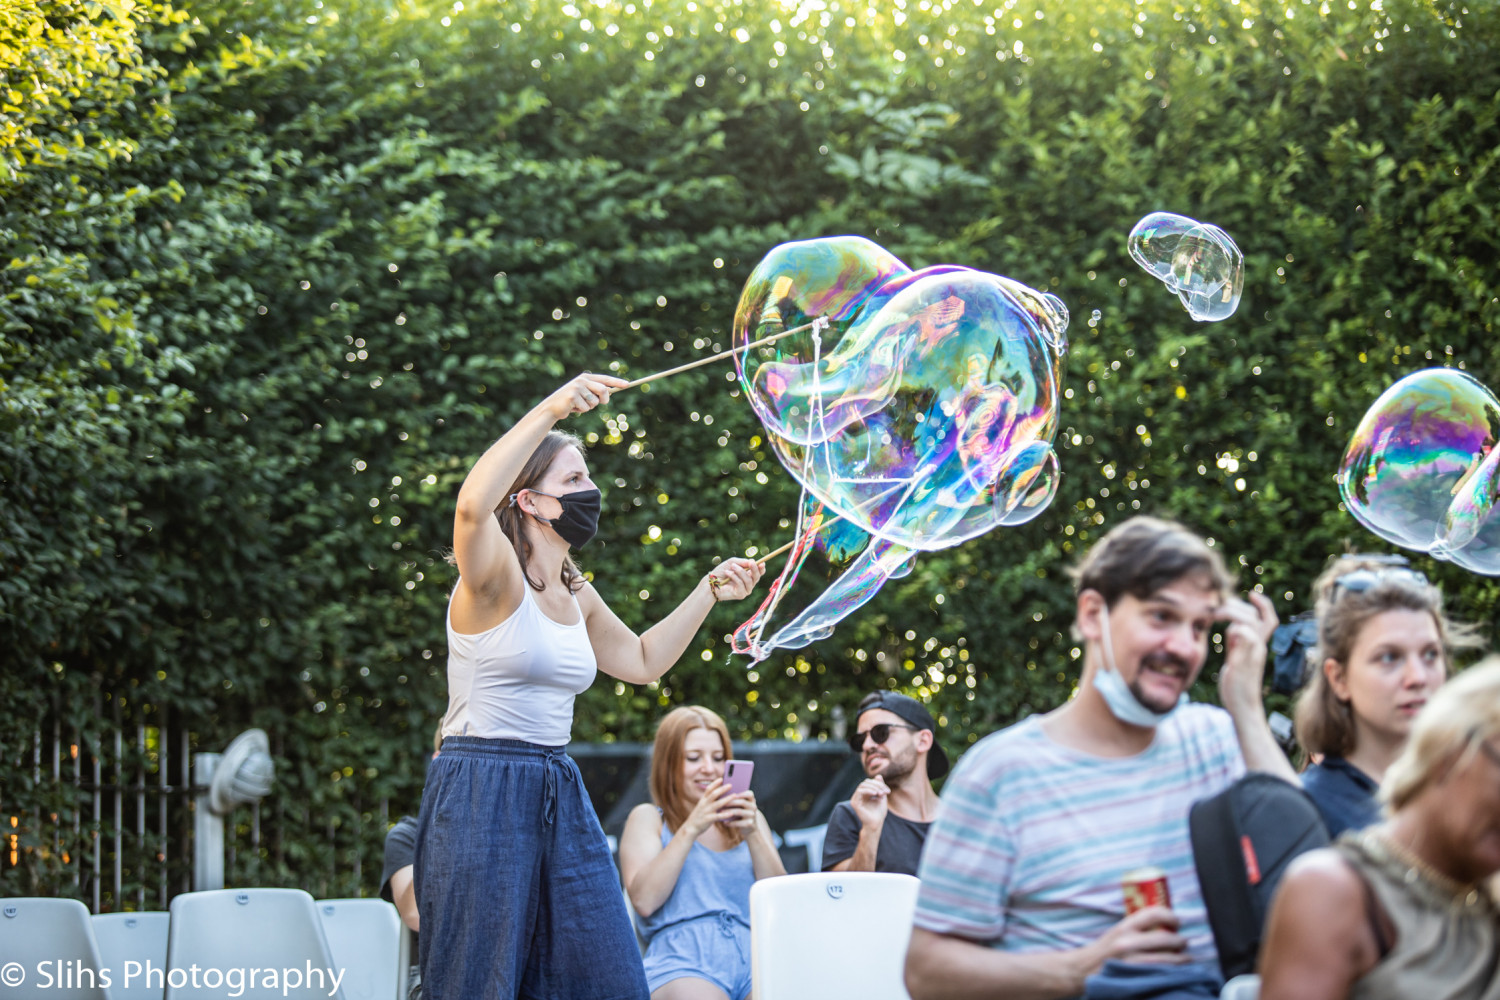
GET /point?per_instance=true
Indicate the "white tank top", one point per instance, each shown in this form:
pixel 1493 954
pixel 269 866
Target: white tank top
pixel 517 681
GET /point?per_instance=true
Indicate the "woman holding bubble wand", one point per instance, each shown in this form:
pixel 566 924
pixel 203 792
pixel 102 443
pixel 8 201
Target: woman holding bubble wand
pixel 515 884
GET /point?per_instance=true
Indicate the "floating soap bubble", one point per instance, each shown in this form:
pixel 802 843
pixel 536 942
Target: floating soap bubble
pixel 1422 469
pixel 833 278
pixel 977 381
pixel 834 570
pixel 923 418
pixel 1196 260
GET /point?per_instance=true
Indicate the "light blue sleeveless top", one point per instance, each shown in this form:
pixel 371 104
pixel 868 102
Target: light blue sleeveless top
pixel 712 884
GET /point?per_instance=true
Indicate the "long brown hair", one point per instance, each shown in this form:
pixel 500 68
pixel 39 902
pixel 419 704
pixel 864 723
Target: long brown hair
pixel 1325 724
pixel 512 518
pixel 667 755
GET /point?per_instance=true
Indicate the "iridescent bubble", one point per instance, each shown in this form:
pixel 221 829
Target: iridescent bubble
pixel 860 581
pixel 836 571
pixel 1422 469
pixel 926 421
pixel 833 278
pixel 1196 260
pixel 970 376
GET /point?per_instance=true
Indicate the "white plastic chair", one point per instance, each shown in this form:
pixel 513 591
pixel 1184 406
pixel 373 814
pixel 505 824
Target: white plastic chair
pixel 364 938
pixel 221 930
pixel 133 947
pixel 812 838
pixel 831 934
pixel 1246 987
pixel 36 930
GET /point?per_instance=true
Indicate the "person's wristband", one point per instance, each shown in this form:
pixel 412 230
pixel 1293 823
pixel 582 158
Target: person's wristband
pixel 714 583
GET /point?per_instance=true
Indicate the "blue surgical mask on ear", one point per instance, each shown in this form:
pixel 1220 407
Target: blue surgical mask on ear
pixel 1122 701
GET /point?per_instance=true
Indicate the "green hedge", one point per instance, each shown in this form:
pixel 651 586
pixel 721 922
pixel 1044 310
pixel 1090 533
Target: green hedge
pixel 278 273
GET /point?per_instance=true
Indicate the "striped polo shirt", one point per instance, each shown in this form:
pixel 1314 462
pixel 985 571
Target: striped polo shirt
pixel 1032 837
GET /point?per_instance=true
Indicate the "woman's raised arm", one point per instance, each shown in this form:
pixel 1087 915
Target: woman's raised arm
pixel 486 560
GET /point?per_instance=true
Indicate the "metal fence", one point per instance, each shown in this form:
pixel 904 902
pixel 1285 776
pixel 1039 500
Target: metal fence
pixel 106 815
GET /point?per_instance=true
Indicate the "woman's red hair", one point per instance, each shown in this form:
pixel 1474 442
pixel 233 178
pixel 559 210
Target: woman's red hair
pixel 668 789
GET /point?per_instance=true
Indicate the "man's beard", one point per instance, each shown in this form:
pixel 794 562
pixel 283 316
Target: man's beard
pixel 897 771
pixel 1158 659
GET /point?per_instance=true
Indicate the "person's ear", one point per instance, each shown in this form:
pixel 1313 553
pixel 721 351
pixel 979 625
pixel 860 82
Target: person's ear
pixel 923 740
pixel 1090 612
pixel 1337 676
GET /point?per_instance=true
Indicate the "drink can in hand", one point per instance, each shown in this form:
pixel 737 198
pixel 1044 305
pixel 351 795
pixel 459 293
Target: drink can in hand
pixel 1145 887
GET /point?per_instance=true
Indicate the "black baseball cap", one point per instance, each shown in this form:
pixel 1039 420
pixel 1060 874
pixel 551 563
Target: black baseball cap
pixel 915 714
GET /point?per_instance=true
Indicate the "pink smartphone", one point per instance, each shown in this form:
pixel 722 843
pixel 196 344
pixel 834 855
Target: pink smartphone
pixel 737 775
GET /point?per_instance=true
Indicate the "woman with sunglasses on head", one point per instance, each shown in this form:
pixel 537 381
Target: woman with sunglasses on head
pixel 688 859
pixel 1401 909
pixel 1383 649
pixel 514 879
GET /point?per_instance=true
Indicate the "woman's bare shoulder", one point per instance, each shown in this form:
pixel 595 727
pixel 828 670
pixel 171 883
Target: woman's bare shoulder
pixel 1323 871
pixel 645 814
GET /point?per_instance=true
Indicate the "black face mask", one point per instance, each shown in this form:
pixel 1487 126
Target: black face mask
pixel 579 521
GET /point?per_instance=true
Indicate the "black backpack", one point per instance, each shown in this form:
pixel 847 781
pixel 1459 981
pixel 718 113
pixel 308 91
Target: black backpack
pixel 1243 840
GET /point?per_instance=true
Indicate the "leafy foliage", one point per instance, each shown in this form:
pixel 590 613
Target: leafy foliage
pixel 279 272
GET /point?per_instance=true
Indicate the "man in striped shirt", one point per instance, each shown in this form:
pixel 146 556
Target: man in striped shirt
pixel 1021 894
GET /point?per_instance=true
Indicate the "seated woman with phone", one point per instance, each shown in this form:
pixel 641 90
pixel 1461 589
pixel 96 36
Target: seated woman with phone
pixel 689 857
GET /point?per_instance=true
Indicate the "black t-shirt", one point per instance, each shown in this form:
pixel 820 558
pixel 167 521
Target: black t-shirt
pixel 899 850
pixel 400 851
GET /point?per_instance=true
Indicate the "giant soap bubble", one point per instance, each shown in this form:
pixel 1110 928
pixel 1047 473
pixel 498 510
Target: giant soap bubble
pixel 1422 468
pixel 834 279
pixel 833 570
pixel 1197 261
pixel 923 417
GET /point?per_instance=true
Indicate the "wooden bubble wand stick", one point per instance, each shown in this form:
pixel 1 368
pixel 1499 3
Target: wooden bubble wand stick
pixel 772 555
pixel 820 324
pixel 715 582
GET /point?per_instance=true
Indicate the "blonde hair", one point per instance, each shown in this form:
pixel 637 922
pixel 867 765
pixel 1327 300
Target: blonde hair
pixel 1448 731
pixel 1324 723
pixel 667 755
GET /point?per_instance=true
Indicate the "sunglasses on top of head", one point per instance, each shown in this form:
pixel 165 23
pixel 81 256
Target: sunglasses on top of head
pixel 1360 580
pixel 879 732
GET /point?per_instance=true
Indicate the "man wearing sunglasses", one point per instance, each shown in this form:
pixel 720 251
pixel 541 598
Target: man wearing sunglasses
pixel 882 826
pixel 1021 892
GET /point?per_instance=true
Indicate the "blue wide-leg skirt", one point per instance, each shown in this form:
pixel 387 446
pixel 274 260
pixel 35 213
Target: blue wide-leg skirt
pixel 518 896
